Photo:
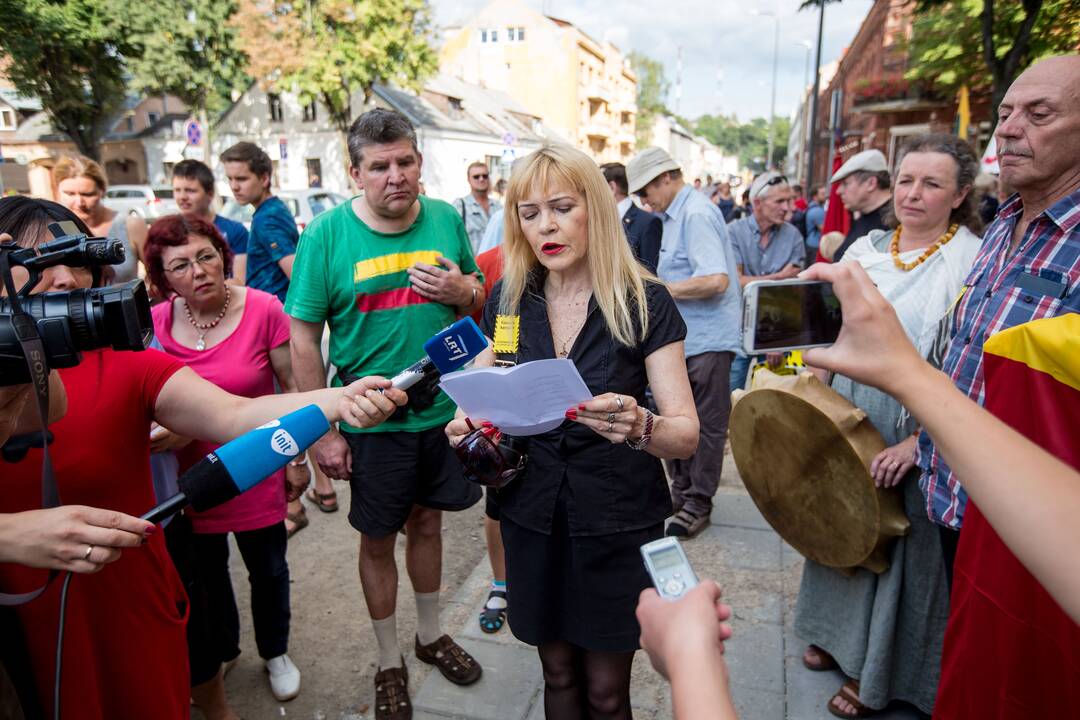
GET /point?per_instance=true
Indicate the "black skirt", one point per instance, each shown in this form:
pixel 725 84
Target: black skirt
pixel 582 590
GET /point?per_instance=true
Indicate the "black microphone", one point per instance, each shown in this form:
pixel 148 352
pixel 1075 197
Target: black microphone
pixel 244 462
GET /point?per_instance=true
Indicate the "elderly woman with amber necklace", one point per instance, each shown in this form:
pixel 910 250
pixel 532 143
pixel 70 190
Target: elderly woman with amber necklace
pixel 885 631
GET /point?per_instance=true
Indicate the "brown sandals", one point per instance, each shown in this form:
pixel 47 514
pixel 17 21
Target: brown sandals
pixel 456 665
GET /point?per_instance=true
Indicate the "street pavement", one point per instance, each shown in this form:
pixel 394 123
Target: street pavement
pixel 760 577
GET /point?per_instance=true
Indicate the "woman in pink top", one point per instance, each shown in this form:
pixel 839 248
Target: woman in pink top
pixel 237 338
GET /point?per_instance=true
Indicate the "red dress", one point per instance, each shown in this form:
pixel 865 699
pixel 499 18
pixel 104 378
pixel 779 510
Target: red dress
pixel 125 652
pixel 1011 652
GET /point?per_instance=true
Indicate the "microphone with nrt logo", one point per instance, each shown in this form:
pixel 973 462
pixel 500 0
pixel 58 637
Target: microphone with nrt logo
pixel 451 349
pixel 244 462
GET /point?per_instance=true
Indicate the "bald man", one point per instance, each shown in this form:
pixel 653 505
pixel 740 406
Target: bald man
pixel 1009 650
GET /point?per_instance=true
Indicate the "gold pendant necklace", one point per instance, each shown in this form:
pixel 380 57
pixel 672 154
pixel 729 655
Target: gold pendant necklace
pixel 203 328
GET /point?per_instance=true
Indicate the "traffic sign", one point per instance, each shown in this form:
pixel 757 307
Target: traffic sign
pixel 283 148
pixel 193 132
pixel 508 139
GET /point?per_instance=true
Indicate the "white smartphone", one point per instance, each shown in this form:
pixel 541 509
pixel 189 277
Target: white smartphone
pixel 782 315
pixel 667 565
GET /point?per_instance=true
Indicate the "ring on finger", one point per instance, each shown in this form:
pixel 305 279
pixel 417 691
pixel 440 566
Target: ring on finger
pixel 618 399
pixel 610 418
pixel 610 425
pixel 89 549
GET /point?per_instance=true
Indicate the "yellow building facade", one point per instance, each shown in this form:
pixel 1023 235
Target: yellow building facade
pixel 583 89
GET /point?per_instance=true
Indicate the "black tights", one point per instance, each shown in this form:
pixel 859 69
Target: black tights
pixel 580 684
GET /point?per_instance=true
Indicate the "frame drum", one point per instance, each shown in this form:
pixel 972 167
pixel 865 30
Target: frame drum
pixel 804 454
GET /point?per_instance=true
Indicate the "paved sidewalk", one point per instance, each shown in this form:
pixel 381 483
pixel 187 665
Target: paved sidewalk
pixel 760 576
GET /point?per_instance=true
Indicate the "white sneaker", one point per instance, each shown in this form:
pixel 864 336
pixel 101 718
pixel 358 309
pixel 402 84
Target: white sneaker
pixel 284 678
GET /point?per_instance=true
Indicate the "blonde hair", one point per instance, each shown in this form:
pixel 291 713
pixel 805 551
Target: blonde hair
pixel 76 166
pixel 618 280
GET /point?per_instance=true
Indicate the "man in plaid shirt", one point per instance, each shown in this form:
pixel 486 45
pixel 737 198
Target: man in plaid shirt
pixel 1029 264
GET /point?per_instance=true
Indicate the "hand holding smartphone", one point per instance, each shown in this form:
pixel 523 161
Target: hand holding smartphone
pixel 782 315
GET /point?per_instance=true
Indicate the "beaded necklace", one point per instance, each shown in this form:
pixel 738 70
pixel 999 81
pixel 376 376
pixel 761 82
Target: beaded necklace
pixel 894 248
pixel 203 328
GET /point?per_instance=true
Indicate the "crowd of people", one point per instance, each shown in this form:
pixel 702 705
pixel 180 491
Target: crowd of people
pixel 636 275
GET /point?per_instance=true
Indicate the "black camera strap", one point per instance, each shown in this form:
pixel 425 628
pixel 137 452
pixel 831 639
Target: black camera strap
pixel 34 352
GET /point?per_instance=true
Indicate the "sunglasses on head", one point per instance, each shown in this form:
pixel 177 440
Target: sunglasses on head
pixel 778 180
pixel 490 458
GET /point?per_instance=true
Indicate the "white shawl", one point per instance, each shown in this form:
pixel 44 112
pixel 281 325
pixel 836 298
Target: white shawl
pixel 923 295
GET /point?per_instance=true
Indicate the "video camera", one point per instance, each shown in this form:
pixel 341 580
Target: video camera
pixel 68 323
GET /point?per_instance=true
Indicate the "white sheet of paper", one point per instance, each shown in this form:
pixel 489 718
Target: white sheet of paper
pixel 526 399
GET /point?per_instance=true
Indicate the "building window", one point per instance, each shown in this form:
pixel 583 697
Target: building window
pixel 310 112
pixel 152 117
pixel 521 34
pixel 494 36
pixel 277 113
pixel 483 36
pixel 167 167
pixel 454 108
pixel 314 172
pixel 129 124
pixel 7 119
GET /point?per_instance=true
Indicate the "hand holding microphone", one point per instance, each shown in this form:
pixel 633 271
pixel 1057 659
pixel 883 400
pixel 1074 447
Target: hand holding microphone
pixel 450 349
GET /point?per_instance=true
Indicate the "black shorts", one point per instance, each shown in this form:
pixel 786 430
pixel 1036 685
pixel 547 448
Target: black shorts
pixel 393 471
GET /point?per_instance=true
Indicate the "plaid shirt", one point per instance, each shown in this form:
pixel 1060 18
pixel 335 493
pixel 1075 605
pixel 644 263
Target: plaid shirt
pixel 997 296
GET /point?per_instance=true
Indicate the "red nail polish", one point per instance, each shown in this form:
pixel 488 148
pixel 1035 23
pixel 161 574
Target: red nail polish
pixel 150 530
pixel 581 407
pixel 486 424
pixel 571 414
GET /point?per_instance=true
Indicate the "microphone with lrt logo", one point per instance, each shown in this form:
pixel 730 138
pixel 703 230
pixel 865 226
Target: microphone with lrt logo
pixel 244 462
pixel 451 349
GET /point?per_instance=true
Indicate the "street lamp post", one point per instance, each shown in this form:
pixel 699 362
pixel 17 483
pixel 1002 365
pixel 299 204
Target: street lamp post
pixel 775 61
pixel 814 99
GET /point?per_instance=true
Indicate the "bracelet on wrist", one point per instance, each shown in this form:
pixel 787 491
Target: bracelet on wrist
pixel 646 434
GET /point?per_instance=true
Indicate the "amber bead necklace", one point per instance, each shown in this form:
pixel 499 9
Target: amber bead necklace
pixel 894 248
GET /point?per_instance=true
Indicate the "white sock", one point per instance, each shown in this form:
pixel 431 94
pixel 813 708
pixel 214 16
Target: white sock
pixel 427 617
pixel 497 603
pixel 386 637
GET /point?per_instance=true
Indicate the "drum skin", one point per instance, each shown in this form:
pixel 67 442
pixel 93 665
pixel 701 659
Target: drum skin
pixel 804 454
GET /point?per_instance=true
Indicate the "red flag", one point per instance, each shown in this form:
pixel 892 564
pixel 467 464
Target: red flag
pixel 837 218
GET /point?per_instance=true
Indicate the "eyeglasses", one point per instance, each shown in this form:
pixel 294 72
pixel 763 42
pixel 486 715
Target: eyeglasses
pixel 205 259
pixel 485 176
pixel 490 458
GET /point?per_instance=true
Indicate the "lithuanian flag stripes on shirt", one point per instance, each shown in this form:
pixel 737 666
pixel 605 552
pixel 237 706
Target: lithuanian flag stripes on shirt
pixel 382 282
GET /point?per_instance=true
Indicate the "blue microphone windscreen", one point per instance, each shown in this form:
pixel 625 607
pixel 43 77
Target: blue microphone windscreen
pixel 454 347
pixel 257 454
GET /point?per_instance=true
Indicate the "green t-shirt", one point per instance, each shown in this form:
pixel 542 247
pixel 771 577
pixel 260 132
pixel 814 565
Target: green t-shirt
pixel 354 278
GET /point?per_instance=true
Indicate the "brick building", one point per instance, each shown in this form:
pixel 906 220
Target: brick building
pixel 878 108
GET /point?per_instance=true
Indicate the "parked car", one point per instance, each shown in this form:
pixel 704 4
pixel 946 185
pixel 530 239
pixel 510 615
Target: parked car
pixel 149 202
pixel 303 204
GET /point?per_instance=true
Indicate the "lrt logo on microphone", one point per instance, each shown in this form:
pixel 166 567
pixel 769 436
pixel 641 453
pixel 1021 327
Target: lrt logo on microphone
pixel 283 444
pixel 455 346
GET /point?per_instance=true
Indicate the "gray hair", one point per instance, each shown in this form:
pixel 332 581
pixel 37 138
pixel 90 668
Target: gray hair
pixel 967 169
pixel 378 127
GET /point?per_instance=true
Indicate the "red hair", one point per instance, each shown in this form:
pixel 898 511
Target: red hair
pixel 174 231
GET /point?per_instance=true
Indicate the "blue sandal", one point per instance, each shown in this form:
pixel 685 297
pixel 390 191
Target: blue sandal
pixel 492 619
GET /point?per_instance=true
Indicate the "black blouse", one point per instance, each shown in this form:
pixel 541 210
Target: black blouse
pixel 609 487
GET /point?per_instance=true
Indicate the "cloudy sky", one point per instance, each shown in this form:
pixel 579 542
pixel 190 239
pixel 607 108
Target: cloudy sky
pixel 726 50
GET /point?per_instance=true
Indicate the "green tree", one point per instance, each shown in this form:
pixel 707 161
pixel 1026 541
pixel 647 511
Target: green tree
pixel 331 49
pixel 985 44
pixel 186 48
pixel 69 55
pixel 749 140
pixel 652 90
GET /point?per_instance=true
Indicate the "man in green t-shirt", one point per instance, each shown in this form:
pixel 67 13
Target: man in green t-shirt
pixel 387 271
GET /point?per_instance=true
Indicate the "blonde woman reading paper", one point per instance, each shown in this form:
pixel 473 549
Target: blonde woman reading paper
pixel 593 489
